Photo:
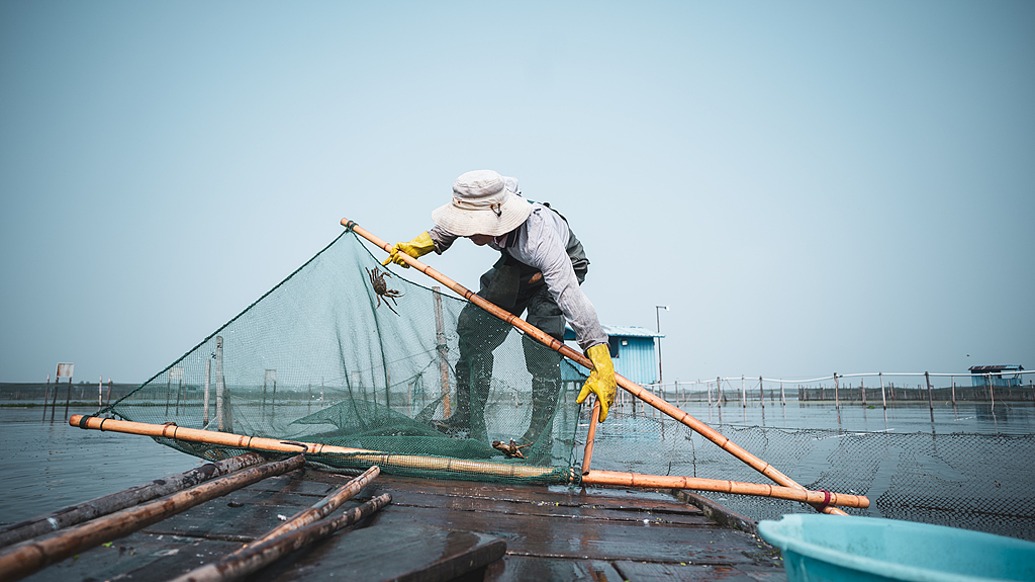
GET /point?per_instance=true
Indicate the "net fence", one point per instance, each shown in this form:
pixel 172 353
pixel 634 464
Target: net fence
pixel 975 481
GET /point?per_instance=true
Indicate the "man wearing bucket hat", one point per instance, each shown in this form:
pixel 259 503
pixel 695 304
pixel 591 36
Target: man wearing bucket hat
pixel 540 269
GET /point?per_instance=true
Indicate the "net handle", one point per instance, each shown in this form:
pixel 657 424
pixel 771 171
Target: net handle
pixel 626 384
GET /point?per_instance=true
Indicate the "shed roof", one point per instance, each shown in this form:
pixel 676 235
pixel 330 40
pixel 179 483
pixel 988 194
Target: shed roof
pixel 996 368
pixel 619 331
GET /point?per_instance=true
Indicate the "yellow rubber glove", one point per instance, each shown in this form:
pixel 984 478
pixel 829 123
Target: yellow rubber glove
pixel 416 248
pixel 601 380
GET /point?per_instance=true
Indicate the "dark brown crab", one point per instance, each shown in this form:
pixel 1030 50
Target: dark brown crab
pixel 511 449
pixel 377 281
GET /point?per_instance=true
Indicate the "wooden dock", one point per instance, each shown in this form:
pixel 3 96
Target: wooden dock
pixel 443 530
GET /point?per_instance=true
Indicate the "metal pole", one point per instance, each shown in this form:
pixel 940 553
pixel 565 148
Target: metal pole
pixel 837 397
pixel 930 398
pixel 657 314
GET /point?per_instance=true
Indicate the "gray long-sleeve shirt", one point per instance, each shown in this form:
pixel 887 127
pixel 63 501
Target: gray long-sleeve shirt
pixel 541 242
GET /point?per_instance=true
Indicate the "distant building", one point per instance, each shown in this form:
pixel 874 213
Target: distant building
pixel 996 376
pixel 632 351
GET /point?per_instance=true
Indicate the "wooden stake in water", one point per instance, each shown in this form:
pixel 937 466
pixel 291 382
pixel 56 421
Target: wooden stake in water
pixel 220 387
pixel 208 379
pixel 883 398
pixel 837 396
pixel 46 395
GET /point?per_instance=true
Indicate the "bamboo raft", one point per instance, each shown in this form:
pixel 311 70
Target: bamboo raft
pixel 397 528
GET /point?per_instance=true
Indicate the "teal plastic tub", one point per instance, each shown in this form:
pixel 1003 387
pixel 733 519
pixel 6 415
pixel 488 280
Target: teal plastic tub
pixel 849 548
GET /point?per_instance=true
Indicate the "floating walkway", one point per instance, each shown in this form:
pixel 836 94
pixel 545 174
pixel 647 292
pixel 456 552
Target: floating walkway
pixel 434 530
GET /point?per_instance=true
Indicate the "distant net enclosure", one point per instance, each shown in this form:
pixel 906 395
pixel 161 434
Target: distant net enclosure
pixel 323 357
pixel 975 481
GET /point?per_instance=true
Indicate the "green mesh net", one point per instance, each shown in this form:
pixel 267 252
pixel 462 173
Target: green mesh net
pixel 323 357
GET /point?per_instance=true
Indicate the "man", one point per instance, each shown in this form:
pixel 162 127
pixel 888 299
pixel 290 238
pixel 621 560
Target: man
pixel 540 269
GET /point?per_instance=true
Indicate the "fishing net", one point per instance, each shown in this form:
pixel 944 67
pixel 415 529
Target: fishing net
pixel 323 357
pixel 975 481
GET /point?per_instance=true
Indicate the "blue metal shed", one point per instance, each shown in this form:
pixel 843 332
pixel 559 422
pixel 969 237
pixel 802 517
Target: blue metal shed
pixel 632 350
pixel 997 375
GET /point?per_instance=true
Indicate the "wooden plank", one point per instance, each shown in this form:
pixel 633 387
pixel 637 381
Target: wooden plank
pixel 602 540
pixel 654 572
pixel 553 533
pixel 522 568
pixel 400 552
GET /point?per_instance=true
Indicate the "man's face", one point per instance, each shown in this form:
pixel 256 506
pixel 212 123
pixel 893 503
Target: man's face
pixel 480 239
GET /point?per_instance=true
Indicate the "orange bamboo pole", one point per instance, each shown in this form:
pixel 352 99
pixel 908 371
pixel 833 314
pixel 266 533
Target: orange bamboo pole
pixel 24 558
pixel 628 385
pixel 820 498
pixel 360 456
pixel 320 509
pixel 591 436
pixel 253 557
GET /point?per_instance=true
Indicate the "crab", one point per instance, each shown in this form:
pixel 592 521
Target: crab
pixel 511 449
pixel 377 281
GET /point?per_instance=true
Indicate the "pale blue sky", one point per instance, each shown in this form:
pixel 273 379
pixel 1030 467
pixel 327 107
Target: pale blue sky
pixel 810 186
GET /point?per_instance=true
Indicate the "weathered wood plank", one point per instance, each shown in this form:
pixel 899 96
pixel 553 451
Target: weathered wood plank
pixel 521 568
pixel 600 540
pixel 651 572
pixel 554 533
pixel 403 552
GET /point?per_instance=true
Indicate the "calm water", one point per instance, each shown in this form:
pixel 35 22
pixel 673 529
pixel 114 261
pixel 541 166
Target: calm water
pixel 46 466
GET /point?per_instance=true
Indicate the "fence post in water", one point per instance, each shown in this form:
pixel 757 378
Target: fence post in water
pixel 783 395
pixel 862 390
pixel 718 391
pixel 46 395
pixel 930 398
pixel 761 392
pixel 208 378
pixel 54 400
pixel 743 394
pixel 987 378
pixel 443 353
pixel 883 397
pixel 837 397
pixel 220 386
pixel 953 380
pixel 68 396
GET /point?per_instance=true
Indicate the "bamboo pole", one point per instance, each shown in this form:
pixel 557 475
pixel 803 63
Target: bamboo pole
pixel 820 498
pixel 443 352
pixel 238 565
pixel 27 557
pixel 75 514
pixel 359 456
pixel 628 385
pixel 320 509
pixel 587 456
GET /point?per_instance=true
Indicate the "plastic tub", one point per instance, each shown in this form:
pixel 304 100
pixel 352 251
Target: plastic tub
pixel 835 547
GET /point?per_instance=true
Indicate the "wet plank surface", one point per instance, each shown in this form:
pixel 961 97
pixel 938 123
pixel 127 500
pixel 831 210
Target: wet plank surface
pixel 441 529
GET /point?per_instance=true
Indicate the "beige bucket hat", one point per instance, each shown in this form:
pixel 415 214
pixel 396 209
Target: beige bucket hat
pixel 484 202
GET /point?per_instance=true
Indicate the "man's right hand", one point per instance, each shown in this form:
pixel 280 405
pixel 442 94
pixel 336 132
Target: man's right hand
pixel 416 248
